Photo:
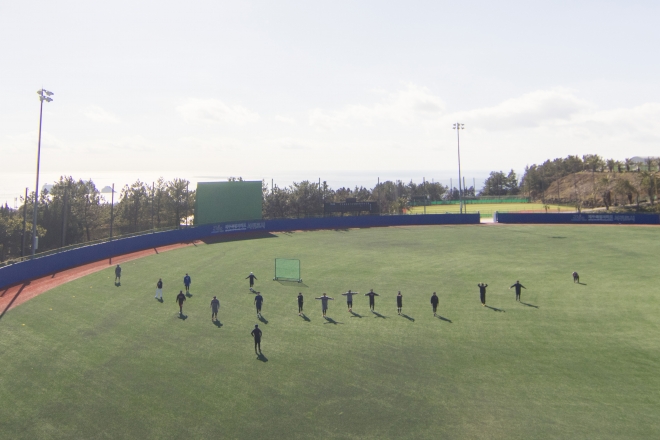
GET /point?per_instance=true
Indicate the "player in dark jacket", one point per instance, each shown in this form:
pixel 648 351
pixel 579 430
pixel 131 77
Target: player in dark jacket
pixel 186 282
pixel 118 275
pixel 256 334
pixel 434 302
pixel 251 277
pixel 518 286
pixel 180 298
pixel 215 305
pixel 258 300
pixel 399 302
pixel 482 293
pixel 576 278
pixel 300 304
pixel 372 298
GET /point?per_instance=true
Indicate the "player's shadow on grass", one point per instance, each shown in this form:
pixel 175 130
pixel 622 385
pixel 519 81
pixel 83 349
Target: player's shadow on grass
pixel 444 319
pixel 262 358
pixel 217 323
pixel 160 300
pixel 329 320
pixel 529 305
pixel 409 318
pixel 183 317
pixel 581 284
pixel 303 316
pixel 117 284
pixel 264 320
pixel 188 295
pixel 291 283
pixel 378 315
pixel 495 309
pixel 355 315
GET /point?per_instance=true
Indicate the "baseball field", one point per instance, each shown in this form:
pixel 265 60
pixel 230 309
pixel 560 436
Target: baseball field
pixel 93 360
pixel 487 209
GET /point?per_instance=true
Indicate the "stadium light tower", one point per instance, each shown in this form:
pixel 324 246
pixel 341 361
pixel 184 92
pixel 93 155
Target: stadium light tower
pixel 458 127
pixel 44 95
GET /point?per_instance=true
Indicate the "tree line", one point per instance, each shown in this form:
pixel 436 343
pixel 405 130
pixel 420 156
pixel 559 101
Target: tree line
pixel 75 211
pixel 306 198
pixel 538 177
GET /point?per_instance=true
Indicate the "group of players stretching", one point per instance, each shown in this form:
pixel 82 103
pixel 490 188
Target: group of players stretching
pixel 349 302
pixel 258 299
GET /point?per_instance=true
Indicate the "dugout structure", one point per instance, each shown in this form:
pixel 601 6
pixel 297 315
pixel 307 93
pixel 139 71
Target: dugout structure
pixel 221 202
pixel 287 270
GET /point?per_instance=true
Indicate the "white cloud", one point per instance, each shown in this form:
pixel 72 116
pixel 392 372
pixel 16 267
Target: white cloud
pixel 534 109
pixel 285 119
pixel 97 114
pixel 213 111
pixel 410 106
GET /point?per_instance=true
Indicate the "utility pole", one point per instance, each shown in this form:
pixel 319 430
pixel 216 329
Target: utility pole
pixel 24 221
pixel 112 209
pixel 458 127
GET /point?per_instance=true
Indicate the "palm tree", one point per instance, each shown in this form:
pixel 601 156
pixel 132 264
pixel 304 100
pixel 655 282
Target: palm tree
pixel 650 184
pixel 650 163
pixel 611 163
pixel 623 187
pixel 628 163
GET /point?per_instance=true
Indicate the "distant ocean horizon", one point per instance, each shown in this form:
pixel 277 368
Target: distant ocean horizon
pixel 12 185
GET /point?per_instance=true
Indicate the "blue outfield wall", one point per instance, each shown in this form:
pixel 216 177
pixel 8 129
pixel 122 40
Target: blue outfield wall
pixel 579 219
pixel 31 269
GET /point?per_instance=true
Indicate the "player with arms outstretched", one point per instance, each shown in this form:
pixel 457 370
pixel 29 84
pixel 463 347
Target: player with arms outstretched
pixel 251 277
pixel 372 298
pixel 349 299
pixel 324 302
pixel 518 286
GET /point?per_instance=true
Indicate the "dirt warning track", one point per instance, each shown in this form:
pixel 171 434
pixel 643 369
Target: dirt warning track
pixel 17 294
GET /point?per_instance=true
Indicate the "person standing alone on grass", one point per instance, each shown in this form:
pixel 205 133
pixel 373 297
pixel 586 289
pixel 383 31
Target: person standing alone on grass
pixel 180 298
pixel 258 300
pixel 117 275
pixel 215 305
pixel 518 286
pixel 372 298
pixel 576 278
pixel 256 334
pixel 399 302
pixel 300 304
pixel 434 303
pixel 159 289
pixel 324 302
pixel 349 299
pixel 251 277
pixel 482 293
pixel 186 282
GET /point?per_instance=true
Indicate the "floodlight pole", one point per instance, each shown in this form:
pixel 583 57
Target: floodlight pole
pixel 458 127
pixel 44 95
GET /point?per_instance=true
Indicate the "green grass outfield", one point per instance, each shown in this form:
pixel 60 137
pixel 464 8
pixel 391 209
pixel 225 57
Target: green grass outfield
pixel 574 362
pixel 487 209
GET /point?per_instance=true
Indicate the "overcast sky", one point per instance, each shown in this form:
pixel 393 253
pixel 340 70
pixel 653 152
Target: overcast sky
pixel 246 87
